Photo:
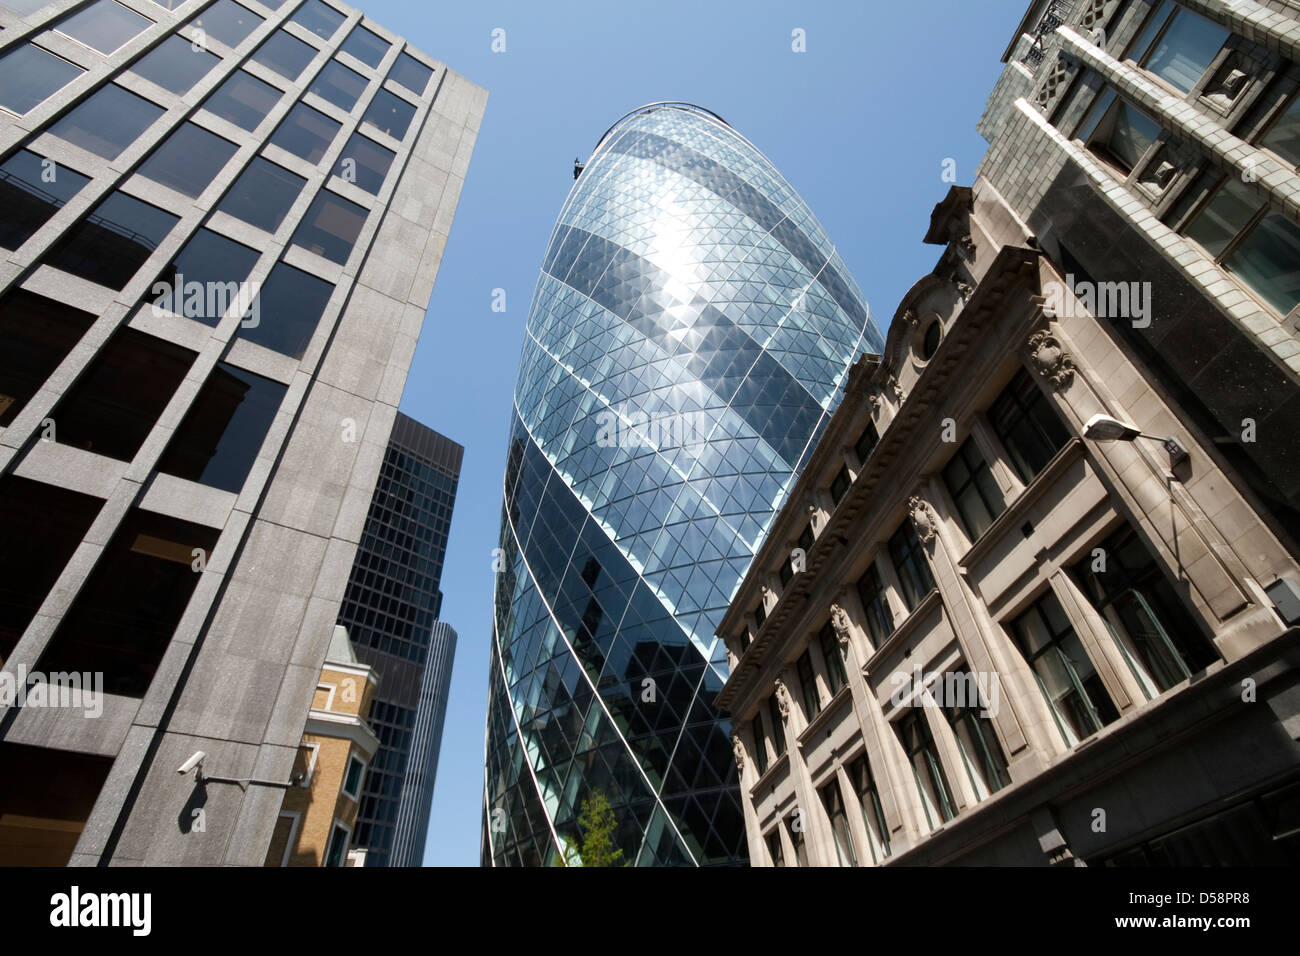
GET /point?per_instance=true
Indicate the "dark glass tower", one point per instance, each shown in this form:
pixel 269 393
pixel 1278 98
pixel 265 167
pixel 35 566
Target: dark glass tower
pixel 687 340
pixel 390 609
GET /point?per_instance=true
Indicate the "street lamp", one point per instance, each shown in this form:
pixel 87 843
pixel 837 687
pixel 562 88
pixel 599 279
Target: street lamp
pixel 1108 428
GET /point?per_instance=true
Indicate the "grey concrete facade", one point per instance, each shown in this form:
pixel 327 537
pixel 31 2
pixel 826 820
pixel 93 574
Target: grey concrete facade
pixel 239 672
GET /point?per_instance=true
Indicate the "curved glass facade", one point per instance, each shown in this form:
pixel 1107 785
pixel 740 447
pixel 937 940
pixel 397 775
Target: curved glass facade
pixel 686 343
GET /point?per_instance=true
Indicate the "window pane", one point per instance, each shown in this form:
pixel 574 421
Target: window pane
pixel 339 85
pixel 228 22
pixel 263 195
pixel 365 46
pixel 108 122
pixel 29 76
pixel 866 442
pixel 36 335
pixel 292 303
pixel 188 160
pixel 1184 53
pixel 221 434
pixel 116 402
pixel 1268 260
pixel 331 227
pixel 104 26
pixel 175 65
pixel 1284 137
pixel 40 528
pixel 1027 425
pixel 1143 43
pixel 243 100
pixel 1225 215
pixel 411 73
pixel 285 54
pixel 305 132
pixel 389 114
pixel 830 645
pixel 31 193
pixel 206 278
pixel 368 166
pixel 123 619
pixel 320 18
pixel 1131 136
pixel 113 241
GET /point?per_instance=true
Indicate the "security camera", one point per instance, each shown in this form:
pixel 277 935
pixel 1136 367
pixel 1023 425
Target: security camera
pixel 194 762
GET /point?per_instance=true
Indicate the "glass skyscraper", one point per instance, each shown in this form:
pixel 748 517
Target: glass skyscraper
pixel 687 340
pixel 390 609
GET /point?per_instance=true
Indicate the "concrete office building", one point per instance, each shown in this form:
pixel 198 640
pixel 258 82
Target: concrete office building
pixel 390 609
pixel 221 224
pixel 688 338
pixel 1049 611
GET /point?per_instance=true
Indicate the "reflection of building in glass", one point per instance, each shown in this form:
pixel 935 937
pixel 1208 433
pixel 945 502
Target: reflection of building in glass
pixel 685 282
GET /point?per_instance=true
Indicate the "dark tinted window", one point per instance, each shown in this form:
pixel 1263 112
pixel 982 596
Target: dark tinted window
pixel 389 114
pixel 292 303
pixel 320 18
pixel 108 122
pixel 228 22
pixel 365 163
pixel 911 565
pixel 411 73
pixel 29 76
pixel 339 85
pixel 840 485
pixel 188 160
pixel 305 132
pixel 36 335
pixel 973 488
pixel 115 403
pixel 206 278
pixel 331 227
pixel 40 528
pixel 123 619
pixel 1028 426
pixel 263 194
pixel 365 46
pixel 243 100
pixel 30 193
pixel 104 25
pixel 222 432
pixel 113 241
pixel 175 65
pixel 285 54
pixel 875 604
pixel 866 442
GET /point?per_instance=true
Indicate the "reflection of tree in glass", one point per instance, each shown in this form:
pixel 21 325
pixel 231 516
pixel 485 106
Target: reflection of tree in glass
pixel 596 824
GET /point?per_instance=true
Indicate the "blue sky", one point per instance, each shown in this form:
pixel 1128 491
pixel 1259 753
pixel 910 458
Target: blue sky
pixel 860 124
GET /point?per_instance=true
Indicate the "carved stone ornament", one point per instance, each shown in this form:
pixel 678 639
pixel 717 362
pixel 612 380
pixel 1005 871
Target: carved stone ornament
pixel 840 624
pixel 874 400
pixel 911 318
pixel 782 698
pixel 963 289
pixel 898 389
pixel 923 519
pixel 1050 359
pixel 738 749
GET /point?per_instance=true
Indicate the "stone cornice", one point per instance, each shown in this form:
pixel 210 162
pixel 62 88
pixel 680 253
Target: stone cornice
pixel 1014 270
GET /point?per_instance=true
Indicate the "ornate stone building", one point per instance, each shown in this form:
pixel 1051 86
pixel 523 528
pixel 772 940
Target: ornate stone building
pixel 1017 609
